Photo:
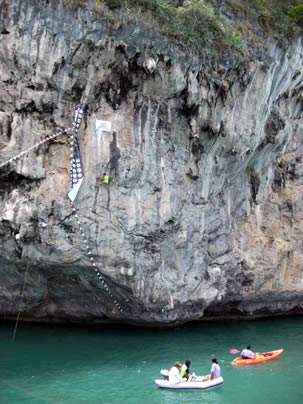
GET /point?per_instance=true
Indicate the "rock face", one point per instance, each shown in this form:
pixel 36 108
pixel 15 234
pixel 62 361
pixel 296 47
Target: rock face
pixel 203 215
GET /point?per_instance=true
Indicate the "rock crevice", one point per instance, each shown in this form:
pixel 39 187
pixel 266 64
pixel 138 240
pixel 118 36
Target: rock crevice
pixel 203 210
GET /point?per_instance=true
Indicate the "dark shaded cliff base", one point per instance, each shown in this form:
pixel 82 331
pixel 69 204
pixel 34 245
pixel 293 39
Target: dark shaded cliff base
pixel 206 318
pixel 203 213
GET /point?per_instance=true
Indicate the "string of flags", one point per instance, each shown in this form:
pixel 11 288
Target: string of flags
pixel 76 178
pixel 92 261
pixel 35 146
pixel 76 172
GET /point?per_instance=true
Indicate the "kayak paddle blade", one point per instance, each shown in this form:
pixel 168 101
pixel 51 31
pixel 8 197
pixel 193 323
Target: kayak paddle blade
pixel 234 351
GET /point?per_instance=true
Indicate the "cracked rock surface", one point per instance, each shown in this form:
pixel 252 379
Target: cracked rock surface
pixel 203 215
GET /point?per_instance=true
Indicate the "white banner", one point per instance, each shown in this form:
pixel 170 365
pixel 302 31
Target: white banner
pixel 103 126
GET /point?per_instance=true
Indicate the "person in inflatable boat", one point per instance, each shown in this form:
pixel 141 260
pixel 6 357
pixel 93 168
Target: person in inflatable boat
pixel 215 371
pixel 185 371
pixel 247 353
pixel 174 376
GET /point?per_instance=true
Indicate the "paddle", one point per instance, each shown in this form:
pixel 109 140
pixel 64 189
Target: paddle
pixel 234 351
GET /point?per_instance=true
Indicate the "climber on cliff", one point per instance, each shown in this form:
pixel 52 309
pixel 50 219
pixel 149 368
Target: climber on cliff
pixel 104 179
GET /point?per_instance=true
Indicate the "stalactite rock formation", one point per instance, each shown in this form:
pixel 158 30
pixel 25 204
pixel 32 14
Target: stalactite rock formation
pixel 203 214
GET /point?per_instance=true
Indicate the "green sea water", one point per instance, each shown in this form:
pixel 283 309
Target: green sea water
pixel 109 365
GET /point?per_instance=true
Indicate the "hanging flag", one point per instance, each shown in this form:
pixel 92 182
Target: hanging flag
pixel 105 126
pixel 76 169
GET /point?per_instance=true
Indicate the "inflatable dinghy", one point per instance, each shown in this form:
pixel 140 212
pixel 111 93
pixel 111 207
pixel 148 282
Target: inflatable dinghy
pixel 196 384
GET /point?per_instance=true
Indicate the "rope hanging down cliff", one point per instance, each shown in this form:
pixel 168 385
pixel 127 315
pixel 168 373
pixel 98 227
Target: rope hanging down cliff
pixel 76 178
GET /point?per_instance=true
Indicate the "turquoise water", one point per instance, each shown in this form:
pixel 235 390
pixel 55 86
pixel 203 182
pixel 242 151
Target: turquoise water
pixel 58 364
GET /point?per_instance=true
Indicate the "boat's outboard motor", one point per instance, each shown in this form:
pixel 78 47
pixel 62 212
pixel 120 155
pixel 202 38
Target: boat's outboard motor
pixel 164 374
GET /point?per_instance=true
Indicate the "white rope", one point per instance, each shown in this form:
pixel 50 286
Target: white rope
pixel 17 321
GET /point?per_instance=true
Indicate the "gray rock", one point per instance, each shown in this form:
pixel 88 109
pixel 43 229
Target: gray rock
pixel 203 213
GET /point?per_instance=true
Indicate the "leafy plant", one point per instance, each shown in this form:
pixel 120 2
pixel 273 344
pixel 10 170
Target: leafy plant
pixel 196 23
pixel 296 14
pixel 278 16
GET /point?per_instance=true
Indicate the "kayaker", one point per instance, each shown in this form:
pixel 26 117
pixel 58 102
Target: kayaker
pixel 185 371
pixel 174 376
pixel 247 353
pixel 215 371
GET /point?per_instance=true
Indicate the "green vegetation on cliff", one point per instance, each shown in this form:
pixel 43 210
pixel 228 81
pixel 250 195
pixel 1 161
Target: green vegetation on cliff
pixel 229 24
pixel 278 16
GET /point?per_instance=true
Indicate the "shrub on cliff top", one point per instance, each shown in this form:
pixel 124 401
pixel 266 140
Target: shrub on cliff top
pixel 278 16
pixel 192 21
pixel 296 14
pixel 196 23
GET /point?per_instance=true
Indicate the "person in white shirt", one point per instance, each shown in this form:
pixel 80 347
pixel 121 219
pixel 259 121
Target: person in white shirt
pixel 174 375
pixel 215 371
pixel 247 353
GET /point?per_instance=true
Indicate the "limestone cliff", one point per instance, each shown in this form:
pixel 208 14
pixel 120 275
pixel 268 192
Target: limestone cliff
pixel 203 215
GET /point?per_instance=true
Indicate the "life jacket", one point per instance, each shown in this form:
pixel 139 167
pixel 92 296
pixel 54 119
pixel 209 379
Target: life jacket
pixel 183 370
pixel 105 179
